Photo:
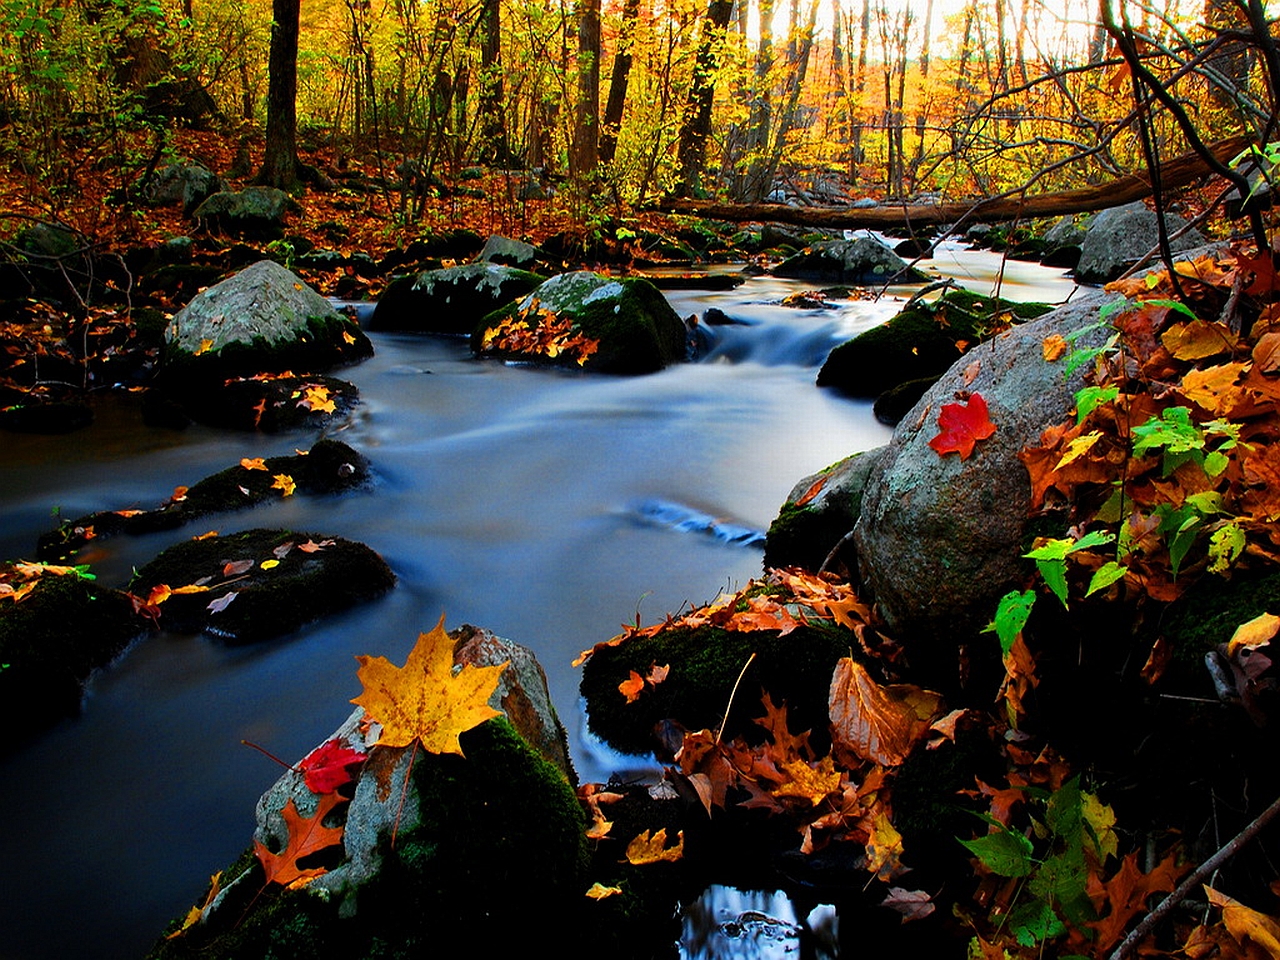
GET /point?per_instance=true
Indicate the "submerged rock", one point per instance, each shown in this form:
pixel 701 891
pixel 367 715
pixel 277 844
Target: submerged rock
pixel 257 584
pixel 450 299
pixel 862 262
pixel 587 320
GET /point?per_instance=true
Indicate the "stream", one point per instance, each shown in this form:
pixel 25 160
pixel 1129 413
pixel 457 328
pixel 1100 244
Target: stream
pixel 547 506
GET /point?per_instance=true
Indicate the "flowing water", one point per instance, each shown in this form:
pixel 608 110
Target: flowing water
pixel 547 506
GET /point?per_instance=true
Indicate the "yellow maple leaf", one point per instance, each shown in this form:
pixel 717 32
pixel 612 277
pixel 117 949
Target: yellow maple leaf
pixel 348 337
pixel 599 891
pixel 646 849
pixel 254 463
pixel 884 847
pixel 424 700
pixel 284 483
pixel 1053 346
pixel 812 783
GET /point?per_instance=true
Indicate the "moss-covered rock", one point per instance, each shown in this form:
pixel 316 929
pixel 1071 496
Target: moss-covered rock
pixel 894 404
pixel 451 299
pixel 56 627
pixel 922 341
pixel 262 319
pixel 818 512
pixel 258 584
pixel 862 262
pixel 254 213
pixel 329 467
pixel 589 321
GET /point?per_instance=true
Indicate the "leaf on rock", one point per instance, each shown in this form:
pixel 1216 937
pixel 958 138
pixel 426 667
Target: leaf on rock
pixel 307 835
pixel 254 463
pixel 424 700
pixel 912 904
pixel 873 722
pixel 961 426
pixel 1053 346
pixel 284 483
pixel 646 849
pixel 330 766
pixel 599 891
pixel 1253 633
pixel 632 687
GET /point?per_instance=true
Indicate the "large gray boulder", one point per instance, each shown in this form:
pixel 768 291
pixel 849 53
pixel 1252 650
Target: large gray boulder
pixel 940 539
pixel 450 299
pixel 262 319
pixel 186 184
pixel 588 321
pixel 864 261
pixel 1118 238
pixel 514 253
pixel 256 213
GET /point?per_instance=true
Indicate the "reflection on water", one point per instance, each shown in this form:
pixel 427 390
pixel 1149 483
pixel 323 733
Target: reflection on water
pixel 727 923
pixel 547 506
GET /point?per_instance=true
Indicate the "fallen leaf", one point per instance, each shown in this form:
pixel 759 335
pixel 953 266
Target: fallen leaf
pixel 809 782
pixel 884 848
pixel 311 546
pixel 632 687
pixel 222 602
pixel 195 913
pixel 233 568
pixel 424 700
pixel 873 722
pixel 1253 633
pixel 329 766
pixel 599 891
pixel 645 849
pixel 256 463
pixel 284 483
pixel 1053 346
pixel 1247 924
pixel 912 904
pixel 307 835
pixel 962 426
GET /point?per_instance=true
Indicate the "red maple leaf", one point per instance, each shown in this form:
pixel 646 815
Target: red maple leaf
pixel 329 766
pixel 962 426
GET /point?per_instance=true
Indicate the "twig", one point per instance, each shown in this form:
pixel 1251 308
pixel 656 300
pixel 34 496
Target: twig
pixel 1232 847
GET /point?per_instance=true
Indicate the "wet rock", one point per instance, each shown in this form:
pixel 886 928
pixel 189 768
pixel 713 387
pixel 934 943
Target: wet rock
pixel 56 416
pixel 513 253
pixel 258 584
pixel 922 341
pixel 451 299
pixel 261 320
pixel 57 626
pixel 818 512
pixel 1061 242
pixel 892 405
pixel 940 539
pixel 862 262
pixel 1117 238
pixel 588 321
pixel 254 213
pixel 188 185
pixel 329 467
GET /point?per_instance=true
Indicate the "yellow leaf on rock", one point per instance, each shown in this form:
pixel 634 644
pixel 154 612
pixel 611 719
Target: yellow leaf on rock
pixel 599 891
pixel 1254 632
pixel 645 849
pixel 1245 923
pixel 424 700
pixel 205 347
pixel 631 687
pixel 1053 346
pixel 254 463
pixel 284 483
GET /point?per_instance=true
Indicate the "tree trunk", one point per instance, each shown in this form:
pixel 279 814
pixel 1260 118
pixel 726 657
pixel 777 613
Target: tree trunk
pixel 493 124
pixel 584 154
pixel 696 127
pixel 280 160
pixel 612 124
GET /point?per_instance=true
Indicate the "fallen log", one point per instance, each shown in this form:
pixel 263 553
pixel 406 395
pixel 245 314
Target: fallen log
pixel 1178 172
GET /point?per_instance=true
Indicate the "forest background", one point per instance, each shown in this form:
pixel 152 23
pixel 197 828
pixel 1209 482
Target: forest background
pixel 613 106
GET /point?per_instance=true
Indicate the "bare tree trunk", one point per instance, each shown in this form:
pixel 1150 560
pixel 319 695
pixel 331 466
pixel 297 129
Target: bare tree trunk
pixel 696 127
pixel 493 124
pixel 617 101
pixel 280 160
pixel 584 154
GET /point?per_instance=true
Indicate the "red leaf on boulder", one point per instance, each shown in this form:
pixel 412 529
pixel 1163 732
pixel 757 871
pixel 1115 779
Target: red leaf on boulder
pixel 962 426
pixel 329 766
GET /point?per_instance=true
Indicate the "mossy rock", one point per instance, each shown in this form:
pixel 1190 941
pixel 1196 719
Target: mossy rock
pixel 864 261
pixel 1211 610
pixel 921 342
pixel 587 321
pixel 253 213
pixel 53 637
pixel 271 403
pixel 705 665
pixel 451 299
pixel 276 581
pixel 329 467
pixel 499 851
pixel 894 404
pixel 817 513
pixel 263 319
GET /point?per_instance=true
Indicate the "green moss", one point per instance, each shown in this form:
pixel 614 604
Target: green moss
pixel 1208 613
pixel 705 664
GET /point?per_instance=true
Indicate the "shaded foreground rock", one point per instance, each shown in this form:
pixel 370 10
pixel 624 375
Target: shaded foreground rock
pixel 939 539
pixel 451 299
pixel 56 627
pixel 589 321
pixel 1116 239
pixel 254 213
pixel 256 584
pixel 330 466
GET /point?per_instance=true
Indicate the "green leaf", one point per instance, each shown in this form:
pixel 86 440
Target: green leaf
pixel 1011 616
pixel 1172 430
pixel 1206 502
pixel 1177 305
pixel 1063 814
pixel 1215 463
pixel 1105 576
pixel 1089 399
pixel 1225 546
pixel 1035 921
pixel 1006 854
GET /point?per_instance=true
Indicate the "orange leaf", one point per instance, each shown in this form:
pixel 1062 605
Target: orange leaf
pixel 256 463
pixel 1053 346
pixel 809 782
pixel 1247 924
pixel 1198 339
pixel 632 687
pixel 599 891
pixel 873 722
pixel 424 700
pixel 645 849
pixel 814 489
pixel 962 426
pixel 307 835
pixel 284 483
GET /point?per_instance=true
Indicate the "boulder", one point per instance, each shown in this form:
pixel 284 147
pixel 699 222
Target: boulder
pixel 862 262
pixel 255 213
pixel 589 321
pixel 921 341
pixel 329 467
pixel 263 319
pixel 818 512
pixel 1118 238
pixel 258 584
pixel 940 539
pixel 451 299
pixel 513 253
pixel 188 185
pixel 1061 242
pixel 57 626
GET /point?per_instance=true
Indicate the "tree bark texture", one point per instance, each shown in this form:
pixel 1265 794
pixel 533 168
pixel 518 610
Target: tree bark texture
pixel 280 159
pixel 697 122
